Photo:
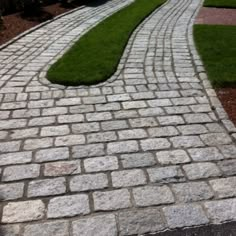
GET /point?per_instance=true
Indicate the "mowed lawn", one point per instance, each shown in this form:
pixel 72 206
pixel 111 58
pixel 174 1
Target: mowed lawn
pixel 95 57
pixel 220 3
pixel 216 45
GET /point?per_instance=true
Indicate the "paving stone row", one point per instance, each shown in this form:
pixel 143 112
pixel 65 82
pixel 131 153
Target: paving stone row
pixel 150 149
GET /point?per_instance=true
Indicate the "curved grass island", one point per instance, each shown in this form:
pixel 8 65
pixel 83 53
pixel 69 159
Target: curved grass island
pixel 96 55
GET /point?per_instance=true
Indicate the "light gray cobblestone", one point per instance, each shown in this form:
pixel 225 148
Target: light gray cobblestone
pixel 68 206
pixel 140 221
pixel 128 178
pixel 201 170
pixel 224 187
pixel 156 122
pixel 20 172
pixel 185 215
pixel 111 200
pixel 105 163
pixel 92 226
pixel 88 182
pixel 222 210
pixel 192 191
pixel 59 228
pixel 152 195
pixel 166 174
pixel 46 187
pixel 137 160
pixel 23 211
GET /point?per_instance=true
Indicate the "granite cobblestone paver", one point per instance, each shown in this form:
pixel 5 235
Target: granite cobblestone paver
pixel 149 149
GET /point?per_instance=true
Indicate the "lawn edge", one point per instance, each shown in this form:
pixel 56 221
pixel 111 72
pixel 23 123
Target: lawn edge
pixel 117 70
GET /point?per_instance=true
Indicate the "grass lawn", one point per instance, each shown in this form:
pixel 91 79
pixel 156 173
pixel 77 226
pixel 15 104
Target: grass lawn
pixel 220 3
pixel 95 57
pixel 217 46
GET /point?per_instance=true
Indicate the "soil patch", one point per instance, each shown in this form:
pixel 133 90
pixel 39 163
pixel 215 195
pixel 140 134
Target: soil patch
pixel 227 97
pixel 216 16
pixel 16 24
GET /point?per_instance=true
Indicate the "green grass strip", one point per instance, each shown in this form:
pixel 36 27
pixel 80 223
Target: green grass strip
pixel 220 3
pixel 217 47
pixel 95 57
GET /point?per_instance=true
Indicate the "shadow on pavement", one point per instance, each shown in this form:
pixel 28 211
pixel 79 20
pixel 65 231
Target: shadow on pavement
pixel 226 229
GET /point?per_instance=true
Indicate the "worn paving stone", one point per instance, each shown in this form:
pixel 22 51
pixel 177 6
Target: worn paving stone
pixel 103 225
pixel 192 129
pixel 111 200
pixel 70 140
pixel 21 172
pixel 166 174
pixel 127 178
pixel 15 212
pixel 10 230
pixel 155 144
pixel 59 228
pixel 225 187
pixel 192 191
pixel 90 150
pixel 163 131
pixel 11 191
pixel 62 168
pixel 201 170
pixel 132 134
pixel 101 137
pixel 222 210
pixel 140 221
pixel 152 195
pixel 85 127
pixel 228 167
pixel 68 206
pixel 185 215
pixel 137 160
pixel 205 154
pixel 52 154
pixel 214 139
pixel 88 182
pixel 32 144
pixel 46 187
pixel 105 163
pixel 186 142
pixel 15 158
pixel 172 157
pixel 114 125
pixel 143 122
pixel 122 147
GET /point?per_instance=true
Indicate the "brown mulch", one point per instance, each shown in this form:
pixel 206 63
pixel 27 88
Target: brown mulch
pixel 16 24
pixel 227 97
pixel 216 16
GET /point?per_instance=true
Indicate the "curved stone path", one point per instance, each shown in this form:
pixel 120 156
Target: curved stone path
pixel 148 150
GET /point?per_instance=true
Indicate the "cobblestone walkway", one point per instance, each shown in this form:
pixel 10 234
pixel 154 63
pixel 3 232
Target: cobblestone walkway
pixel 148 150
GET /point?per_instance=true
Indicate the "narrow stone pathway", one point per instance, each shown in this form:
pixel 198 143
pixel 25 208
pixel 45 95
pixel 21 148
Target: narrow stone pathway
pixel 148 150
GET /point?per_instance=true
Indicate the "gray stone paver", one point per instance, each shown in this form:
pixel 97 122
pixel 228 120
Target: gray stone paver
pixel 149 149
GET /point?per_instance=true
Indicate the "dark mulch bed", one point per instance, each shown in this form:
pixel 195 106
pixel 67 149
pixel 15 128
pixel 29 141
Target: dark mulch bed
pixel 16 24
pixel 227 97
pixel 216 16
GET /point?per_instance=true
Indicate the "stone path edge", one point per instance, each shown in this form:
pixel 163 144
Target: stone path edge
pixel 210 91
